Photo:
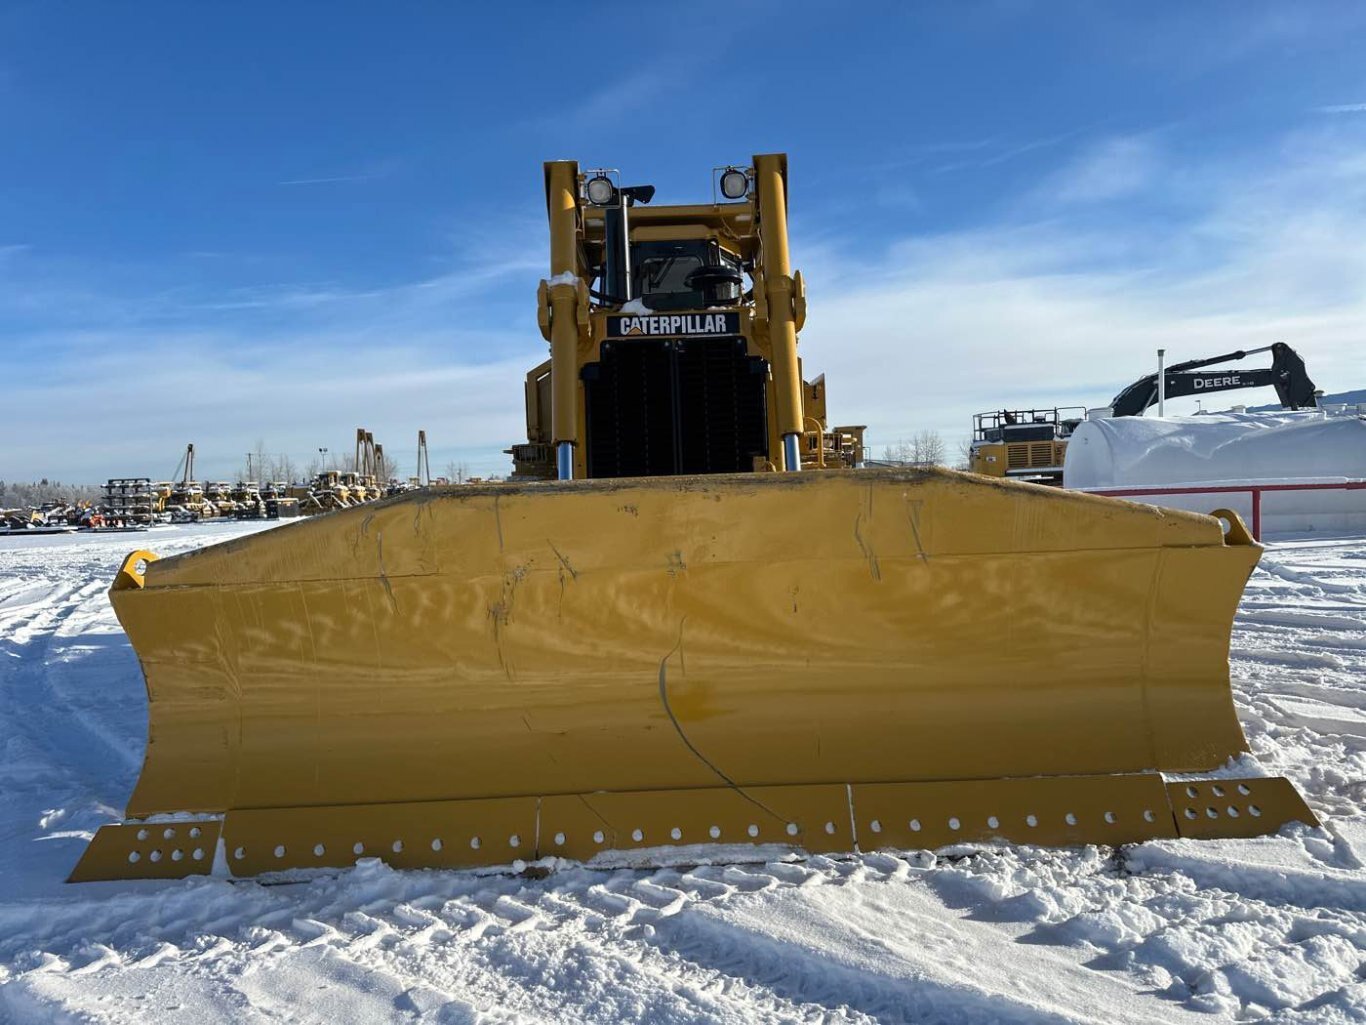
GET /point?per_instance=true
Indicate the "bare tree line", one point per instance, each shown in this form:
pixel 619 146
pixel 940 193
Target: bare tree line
pixel 15 494
pixel 926 448
pixel 260 465
pixel 257 465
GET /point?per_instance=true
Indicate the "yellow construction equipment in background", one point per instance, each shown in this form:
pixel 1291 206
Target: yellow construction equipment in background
pixel 1024 444
pixel 672 645
pixel 1031 444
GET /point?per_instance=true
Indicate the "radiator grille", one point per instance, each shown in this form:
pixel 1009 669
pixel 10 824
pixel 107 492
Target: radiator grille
pixel 656 407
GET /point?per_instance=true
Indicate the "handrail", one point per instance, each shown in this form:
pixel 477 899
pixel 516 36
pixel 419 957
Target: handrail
pixel 1254 490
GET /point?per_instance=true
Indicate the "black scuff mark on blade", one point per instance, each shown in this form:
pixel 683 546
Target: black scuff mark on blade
pixel 368 594
pixel 609 831
pixel 573 573
pixel 678 727
pixel 361 534
pixel 565 565
pixel 868 553
pixel 497 615
pixel 913 509
pixel 501 613
pixel 383 577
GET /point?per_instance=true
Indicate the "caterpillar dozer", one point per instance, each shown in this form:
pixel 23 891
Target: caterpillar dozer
pixel 692 619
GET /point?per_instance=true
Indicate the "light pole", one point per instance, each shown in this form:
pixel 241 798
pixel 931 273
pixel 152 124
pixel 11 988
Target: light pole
pixel 322 458
pixel 1161 383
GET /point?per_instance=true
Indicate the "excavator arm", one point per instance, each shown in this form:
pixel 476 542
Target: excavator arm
pixel 1286 374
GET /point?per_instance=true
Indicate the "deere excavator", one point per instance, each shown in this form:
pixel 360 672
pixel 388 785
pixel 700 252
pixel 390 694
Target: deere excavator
pixel 1031 444
pixel 692 620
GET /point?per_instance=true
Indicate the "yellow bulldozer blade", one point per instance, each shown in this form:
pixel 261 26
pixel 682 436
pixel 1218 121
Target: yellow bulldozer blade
pixel 829 661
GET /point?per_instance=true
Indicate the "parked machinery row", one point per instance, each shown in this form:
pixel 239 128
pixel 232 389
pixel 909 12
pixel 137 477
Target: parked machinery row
pixel 187 499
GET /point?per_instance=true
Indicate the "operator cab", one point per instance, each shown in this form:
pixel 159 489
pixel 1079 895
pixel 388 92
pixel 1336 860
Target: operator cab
pixel 691 274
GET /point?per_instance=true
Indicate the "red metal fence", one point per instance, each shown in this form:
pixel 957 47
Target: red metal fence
pixel 1255 490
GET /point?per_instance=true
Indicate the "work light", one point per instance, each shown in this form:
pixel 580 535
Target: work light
pixel 600 190
pixel 734 183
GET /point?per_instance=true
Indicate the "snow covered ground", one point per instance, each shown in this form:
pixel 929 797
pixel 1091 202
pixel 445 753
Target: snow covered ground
pixel 1176 931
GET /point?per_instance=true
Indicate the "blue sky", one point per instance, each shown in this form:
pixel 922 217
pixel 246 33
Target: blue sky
pixel 265 222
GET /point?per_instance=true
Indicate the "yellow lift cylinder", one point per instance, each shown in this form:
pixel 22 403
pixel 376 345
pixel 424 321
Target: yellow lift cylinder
pixel 562 208
pixel 770 173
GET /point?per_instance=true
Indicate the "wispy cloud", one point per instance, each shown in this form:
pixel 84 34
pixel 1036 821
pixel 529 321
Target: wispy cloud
pixel 329 181
pixel 993 152
pixel 367 171
pixel 1111 169
pixel 1186 41
pixel 617 99
pixel 476 264
pixel 296 393
pixel 1058 312
pixel 615 105
pixel 919 153
pixel 426 294
pixel 296 365
pixel 1343 108
pixel 1041 307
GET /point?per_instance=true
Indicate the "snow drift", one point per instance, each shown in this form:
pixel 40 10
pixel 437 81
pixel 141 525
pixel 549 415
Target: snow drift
pixel 1294 472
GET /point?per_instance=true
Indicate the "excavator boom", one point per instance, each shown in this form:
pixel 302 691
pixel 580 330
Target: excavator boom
pixel 1287 374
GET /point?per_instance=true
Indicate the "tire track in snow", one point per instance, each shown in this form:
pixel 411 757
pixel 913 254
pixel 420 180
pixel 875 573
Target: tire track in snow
pixel 625 945
pixel 72 702
pixel 38 710
pixel 1298 659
